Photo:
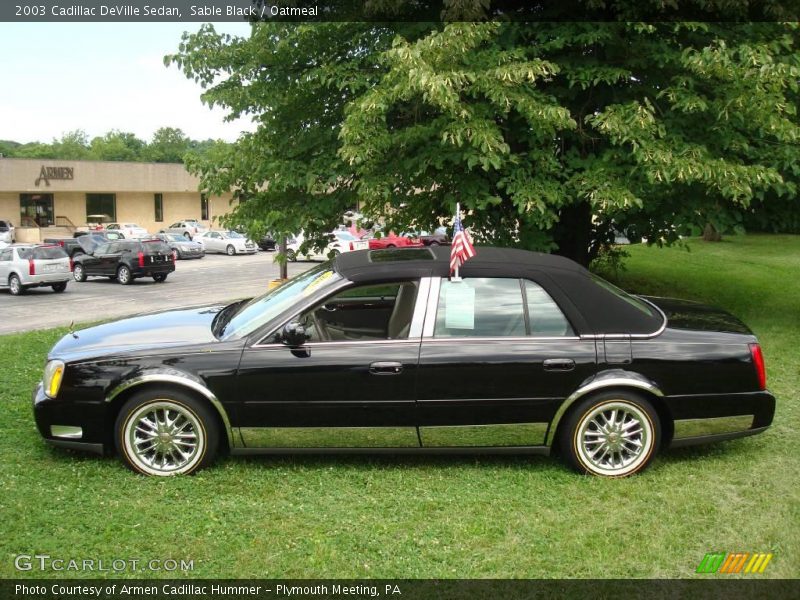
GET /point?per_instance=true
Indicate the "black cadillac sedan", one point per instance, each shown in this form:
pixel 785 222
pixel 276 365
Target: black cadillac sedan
pixel 379 350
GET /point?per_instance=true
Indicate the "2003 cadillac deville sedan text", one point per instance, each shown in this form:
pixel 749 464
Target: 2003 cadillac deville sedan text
pixel 378 350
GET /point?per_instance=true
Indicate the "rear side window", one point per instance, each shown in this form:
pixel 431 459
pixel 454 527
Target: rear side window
pixel 480 307
pixel 545 318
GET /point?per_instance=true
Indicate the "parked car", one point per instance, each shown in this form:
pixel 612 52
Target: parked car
pixel 378 240
pixel 182 247
pixel 131 231
pixel 338 242
pixel 379 350
pixel 227 242
pixel 438 237
pixel 82 241
pixel 126 260
pixel 24 266
pixel 188 228
pixel 267 243
pixel 8 232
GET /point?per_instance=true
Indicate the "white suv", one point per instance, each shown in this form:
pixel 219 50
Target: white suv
pixel 7 232
pixel 24 266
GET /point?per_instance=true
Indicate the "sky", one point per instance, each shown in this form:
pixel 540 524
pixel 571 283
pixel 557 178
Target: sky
pixel 58 77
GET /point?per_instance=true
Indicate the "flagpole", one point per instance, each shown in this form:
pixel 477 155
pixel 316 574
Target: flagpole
pixel 458 213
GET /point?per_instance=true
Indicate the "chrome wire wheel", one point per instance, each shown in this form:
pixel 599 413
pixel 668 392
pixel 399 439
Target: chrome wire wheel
pixel 164 437
pixel 614 438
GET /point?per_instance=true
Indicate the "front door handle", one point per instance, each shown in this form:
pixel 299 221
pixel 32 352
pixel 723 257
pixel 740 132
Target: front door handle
pixel 386 368
pixel 559 364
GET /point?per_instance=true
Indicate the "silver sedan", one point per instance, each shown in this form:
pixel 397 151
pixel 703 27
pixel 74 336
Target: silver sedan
pixel 228 242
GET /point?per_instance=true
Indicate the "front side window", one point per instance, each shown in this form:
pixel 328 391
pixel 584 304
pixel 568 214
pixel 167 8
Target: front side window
pixel 363 313
pixel 497 307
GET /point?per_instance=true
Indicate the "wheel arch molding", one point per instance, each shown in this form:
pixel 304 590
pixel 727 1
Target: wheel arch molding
pixel 189 383
pixel 609 380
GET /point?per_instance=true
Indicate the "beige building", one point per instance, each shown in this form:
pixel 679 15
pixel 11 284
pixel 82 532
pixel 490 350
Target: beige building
pixel 45 198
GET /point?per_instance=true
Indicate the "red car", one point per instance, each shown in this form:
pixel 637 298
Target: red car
pixel 390 240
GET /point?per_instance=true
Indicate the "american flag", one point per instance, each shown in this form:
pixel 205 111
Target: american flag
pixel 461 249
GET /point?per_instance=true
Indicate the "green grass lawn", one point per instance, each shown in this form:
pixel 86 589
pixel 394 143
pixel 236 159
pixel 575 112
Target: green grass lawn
pixel 498 517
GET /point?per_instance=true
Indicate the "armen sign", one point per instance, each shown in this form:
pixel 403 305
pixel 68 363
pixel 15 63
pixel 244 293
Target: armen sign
pixel 48 173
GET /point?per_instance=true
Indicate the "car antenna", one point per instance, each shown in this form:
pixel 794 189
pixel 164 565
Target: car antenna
pixel 72 329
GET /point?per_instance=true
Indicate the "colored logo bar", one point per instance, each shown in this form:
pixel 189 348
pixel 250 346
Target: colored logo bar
pixel 734 562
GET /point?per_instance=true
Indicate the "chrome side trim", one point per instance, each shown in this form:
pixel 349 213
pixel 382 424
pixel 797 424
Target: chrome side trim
pixel 490 435
pixel 686 428
pixel 182 381
pixel 418 318
pixel 527 338
pixel 66 431
pixel 598 384
pixel 430 311
pixel 329 437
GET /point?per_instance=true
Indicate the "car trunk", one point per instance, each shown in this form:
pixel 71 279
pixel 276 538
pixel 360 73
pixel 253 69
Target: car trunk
pixel 46 260
pixel 684 314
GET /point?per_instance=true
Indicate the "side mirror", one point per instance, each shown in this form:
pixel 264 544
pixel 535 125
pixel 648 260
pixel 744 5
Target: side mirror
pixel 294 335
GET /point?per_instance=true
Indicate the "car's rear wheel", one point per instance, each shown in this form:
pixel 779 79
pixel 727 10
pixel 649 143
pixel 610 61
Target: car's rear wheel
pixel 230 250
pixel 166 432
pixel 124 275
pixel 59 287
pixel 78 274
pixel 187 235
pixel 291 255
pixel 160 277
pixel 434 243
pixel 611 434
pixel 15 286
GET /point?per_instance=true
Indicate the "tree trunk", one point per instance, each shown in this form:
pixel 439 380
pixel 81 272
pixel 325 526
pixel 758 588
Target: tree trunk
pixel 572 234
pixel 710 234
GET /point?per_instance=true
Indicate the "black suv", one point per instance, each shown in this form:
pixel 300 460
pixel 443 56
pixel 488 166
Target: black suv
pixel 125 260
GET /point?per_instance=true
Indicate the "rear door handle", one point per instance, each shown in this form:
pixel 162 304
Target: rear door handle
pixel 559 364
pixel 386 368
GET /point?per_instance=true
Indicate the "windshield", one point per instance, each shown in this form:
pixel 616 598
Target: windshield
pixel 232 234
pixel 344 235
pixel 263 309
pixel 174 237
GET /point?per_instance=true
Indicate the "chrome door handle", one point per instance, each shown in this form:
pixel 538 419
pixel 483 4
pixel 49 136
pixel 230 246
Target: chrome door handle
pixel 386 368
pixel 559 364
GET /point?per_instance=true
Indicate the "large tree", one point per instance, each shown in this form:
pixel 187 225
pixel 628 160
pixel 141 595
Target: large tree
pixel 552 135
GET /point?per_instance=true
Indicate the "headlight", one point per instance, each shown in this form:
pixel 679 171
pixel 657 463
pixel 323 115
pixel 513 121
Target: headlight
pixel 53 374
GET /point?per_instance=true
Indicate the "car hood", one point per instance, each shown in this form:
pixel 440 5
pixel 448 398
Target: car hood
pixel 153 330
pixel 684 314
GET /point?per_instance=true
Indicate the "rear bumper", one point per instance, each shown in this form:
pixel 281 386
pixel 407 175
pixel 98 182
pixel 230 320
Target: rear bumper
pixel 47 278
pixel 153 270
pixel 711 418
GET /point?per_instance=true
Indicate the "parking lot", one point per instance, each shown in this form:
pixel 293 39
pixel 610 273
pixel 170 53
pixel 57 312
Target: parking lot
pixel 215 278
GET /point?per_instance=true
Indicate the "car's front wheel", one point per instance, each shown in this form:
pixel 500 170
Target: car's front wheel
pixel 124 275
pixel 59 287
pixel 611 434
pixel 78 274
pixel 291 255
pixel 230 250
pixel 166 432
pixel 15 286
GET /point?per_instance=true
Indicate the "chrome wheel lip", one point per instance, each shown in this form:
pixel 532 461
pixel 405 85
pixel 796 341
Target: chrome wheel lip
pixel 615 438
pixel 164 437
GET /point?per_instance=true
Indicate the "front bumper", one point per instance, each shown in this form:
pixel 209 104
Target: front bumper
pixel 59 422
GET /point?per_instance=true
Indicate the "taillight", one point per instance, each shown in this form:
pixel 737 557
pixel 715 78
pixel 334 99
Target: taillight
pixel 174 256
pixel 61 243
pixel 31 267
pixel 351 246
pixel 71 265
pixel 141 259
pixel 758 363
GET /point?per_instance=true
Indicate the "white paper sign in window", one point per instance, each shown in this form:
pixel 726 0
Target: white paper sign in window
pixel 459 306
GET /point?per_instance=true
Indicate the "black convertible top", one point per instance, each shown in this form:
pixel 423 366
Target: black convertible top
pixel 593 305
